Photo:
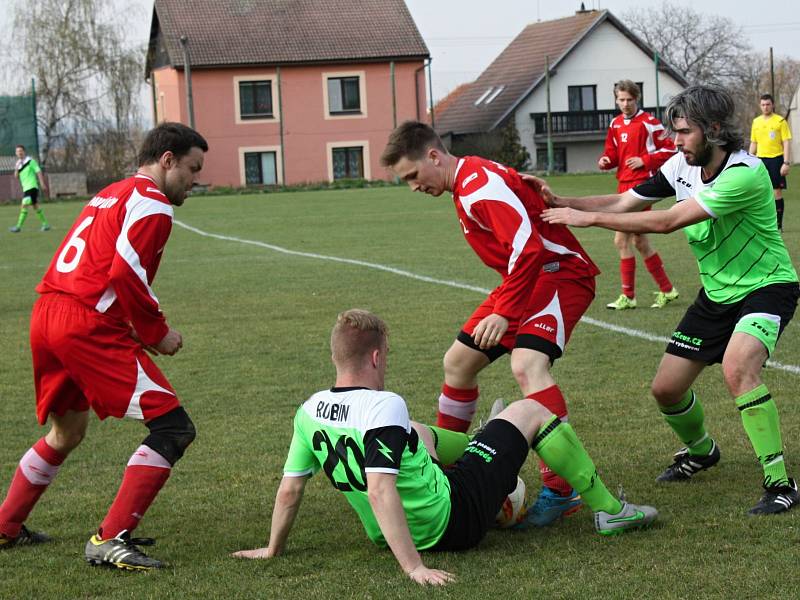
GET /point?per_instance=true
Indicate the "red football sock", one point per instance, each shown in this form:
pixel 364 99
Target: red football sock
pixel 145 475
pixel 656 268
pixel 627 274
pixel 456 408
pixel 552 399
pixel 35 472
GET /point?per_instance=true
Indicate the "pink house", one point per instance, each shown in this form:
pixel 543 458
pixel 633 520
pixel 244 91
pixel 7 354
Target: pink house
pixel 287 91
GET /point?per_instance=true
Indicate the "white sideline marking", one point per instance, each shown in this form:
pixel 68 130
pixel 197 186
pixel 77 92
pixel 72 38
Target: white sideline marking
pixel 650 337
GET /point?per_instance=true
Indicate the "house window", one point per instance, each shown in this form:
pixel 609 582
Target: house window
pixel 255 99
pixel 559 159
pixel 582 97
pixel 348 163
pixel 641 93
pixel 344 95
pixel 260 168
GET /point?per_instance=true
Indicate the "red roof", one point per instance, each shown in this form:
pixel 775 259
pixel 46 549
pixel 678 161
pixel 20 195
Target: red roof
pixel 519 69
pixel 243 32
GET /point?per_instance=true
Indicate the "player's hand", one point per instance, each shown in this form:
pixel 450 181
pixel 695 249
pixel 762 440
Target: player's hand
pixel 567 216
pixel 604 163
pixel 490 331
pixel 784 170
pixel 634 163
pixel 425 576
pixel 540 185
pixel 170 343
pixel 256 553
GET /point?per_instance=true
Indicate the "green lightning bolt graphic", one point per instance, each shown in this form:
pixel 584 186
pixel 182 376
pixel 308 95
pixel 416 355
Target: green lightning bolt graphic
pixel 386 451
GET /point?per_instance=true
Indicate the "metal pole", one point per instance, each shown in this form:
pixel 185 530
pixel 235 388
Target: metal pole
pixel 549 116
pixel 430 91
pixel 771 75
pixel 394 95
pixel 188 74
pixel 658 94
pixel 280 125
pixel 35 121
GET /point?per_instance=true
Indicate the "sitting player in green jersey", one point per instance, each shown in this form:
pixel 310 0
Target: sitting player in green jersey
pixel 386 465
pixel 750 289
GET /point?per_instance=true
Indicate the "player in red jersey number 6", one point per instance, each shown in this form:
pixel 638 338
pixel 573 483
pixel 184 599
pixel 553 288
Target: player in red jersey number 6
pixel 91 328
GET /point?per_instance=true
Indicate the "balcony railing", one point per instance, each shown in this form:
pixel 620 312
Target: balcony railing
pixel 585 121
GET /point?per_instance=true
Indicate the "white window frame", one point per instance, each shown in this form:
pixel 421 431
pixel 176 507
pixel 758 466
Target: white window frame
pixel 273 79
pixel 362 92
pixel 364 155
pixel 278 162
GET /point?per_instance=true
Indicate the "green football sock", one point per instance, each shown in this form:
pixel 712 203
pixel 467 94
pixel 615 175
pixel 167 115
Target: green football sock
pixel 687 421
pixel 40 214
pixel 449 445
pixel 763 427
pixel 23 214
pixel 562 451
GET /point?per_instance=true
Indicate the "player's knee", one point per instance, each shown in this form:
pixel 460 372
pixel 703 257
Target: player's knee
pixel 664 393
pixel 737 379
pixel 642 244
pixel 171 434
pixel 530 368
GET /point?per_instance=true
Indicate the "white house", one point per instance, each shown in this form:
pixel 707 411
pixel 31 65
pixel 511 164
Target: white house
pixel 587 52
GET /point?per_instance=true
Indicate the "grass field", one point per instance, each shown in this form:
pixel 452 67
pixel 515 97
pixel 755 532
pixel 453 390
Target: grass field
pixel 255 323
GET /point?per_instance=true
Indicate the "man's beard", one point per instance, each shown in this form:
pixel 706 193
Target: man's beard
pixel 702 157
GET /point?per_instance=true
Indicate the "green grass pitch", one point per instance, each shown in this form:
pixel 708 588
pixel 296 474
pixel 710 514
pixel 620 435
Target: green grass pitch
pixel 256 323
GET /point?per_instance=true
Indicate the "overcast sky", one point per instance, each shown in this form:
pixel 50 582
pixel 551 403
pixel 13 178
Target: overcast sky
pixel 464 36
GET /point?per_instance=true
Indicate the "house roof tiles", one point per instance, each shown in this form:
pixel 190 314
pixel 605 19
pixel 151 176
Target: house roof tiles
pixel 242 32
pixel 519 68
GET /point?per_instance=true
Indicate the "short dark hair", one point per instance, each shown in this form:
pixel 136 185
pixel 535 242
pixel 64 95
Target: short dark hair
pixel 410 140
pixel 767 97
pixel 20 146
pixel 626 85
pixel 707 106
pixel 169 137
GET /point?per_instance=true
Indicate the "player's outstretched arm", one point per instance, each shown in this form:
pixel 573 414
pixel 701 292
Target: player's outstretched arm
pixel 608 203
pixel 287 503
pixel 680 215
pixel 388 510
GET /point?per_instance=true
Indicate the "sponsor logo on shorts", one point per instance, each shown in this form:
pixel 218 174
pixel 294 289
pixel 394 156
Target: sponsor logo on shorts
pixel 687 339
pixel 761 328
pixel 485 452
pixel 547 328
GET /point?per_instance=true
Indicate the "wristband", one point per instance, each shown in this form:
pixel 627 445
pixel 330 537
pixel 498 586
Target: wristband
pixel 788 164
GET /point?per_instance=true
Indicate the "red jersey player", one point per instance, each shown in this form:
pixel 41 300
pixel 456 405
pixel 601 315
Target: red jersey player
pixel 637 145
pixel 547 284
pixel 90 329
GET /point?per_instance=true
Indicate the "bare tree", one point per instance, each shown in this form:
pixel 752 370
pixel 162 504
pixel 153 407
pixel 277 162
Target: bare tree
pixel 703 48
pixel 87 82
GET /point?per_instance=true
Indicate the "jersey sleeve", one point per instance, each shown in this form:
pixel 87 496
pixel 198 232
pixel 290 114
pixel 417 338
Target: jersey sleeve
pixel 513 229
pixel 732 192
pixel 144 234
pixel 383 449
pixel 786 133
pixel 661 185
pixel 37 169
pixel 663 147
pixel 610 148
pixel 753 132
pixel 300 460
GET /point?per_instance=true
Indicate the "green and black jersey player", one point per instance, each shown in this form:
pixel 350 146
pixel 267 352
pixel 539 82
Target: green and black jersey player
pixel 387 467
pixel 750 289
pixel 31 181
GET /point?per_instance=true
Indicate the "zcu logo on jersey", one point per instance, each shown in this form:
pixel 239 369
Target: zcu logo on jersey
pixel 682 181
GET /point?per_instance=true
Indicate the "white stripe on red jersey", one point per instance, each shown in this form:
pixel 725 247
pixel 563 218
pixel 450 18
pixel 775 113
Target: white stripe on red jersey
pixel 501 219
pixel 111 254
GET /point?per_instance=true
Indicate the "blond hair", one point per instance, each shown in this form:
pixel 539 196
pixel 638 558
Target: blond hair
pixel 355 335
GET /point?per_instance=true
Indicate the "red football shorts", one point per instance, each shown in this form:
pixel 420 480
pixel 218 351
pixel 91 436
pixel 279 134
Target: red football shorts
pixel 554 308
pixel 83 358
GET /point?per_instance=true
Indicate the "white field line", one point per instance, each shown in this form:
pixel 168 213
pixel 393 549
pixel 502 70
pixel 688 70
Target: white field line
pixel 636 333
